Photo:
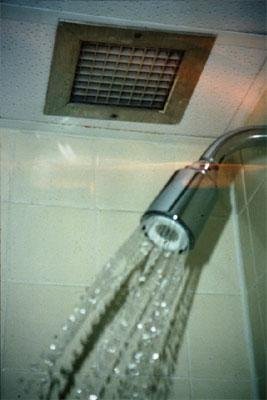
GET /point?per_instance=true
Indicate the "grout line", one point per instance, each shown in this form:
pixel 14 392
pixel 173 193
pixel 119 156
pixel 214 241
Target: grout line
pixel 35 204
pixel 251 242
pixel 244 198
pixel 254 192
pixel 217 294
pixel 101 209
pixel 97 208
pixel 222 380
pixel 244 299
pixel 71 285
pixel 47 283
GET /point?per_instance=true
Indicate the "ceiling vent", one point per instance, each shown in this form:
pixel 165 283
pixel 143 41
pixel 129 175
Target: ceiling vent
pixel 124 74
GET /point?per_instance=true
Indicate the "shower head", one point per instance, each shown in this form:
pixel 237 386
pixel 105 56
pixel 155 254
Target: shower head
pixel 176 217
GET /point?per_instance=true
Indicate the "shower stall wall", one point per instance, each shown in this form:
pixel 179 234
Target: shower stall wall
pixel 251 207
pixel 67 203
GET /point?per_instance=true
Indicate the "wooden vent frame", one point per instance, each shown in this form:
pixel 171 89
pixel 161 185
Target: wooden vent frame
pixel 196 49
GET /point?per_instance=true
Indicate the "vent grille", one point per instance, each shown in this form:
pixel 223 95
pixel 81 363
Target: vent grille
pixel 124 76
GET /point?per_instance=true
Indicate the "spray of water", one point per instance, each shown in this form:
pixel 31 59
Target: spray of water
pixel 122 339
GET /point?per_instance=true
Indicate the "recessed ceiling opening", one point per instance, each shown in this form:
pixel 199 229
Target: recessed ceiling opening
pixel 124 74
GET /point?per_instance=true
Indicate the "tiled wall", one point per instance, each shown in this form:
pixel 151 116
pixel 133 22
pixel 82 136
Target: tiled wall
pixel 252 218
pixel 67 203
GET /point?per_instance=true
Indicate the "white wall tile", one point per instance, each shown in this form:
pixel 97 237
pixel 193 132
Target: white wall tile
pixel 221 390
pixel 7 149
pixel 129 174
pixel 53 170
pixel 255 169
pixel 257 209
pixel 258 332
pixel 113 228
pixel 246 244
pixel 218 348
pixel 13 383
pixel 180 389
pixel 262 301
pixel 51 244
pixel 214 254
pixel 35 313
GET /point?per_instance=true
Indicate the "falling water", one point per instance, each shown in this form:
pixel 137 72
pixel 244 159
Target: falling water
pixel 122 339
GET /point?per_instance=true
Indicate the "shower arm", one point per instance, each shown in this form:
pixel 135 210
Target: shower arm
pixel 233 141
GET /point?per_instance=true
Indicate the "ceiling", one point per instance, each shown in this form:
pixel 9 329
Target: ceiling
pixel 229 87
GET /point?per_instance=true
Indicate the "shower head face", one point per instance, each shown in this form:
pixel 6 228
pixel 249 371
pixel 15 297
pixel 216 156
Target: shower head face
pixel 166 233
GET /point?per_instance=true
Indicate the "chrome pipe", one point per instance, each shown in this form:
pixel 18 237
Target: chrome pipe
pixel 233 141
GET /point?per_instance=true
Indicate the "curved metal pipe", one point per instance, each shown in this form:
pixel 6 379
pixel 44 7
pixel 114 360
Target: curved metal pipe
pixel 191 193
pixel 233 141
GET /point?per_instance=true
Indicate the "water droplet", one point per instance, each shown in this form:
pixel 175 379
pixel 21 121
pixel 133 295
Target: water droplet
pixel 124 323
pixel 116 370
pixel 34 366
pixel 52 347
pixel 92 300
pixel 72 318
pixel 97 291
pixel 164 282
pixel 140 326
pixel 145 244
pixel 92 397
pixel 155 356
pixel 135 373
pixel 65 328
pixel 138 355
pixel 163 304
pixel 48 362
pixel 132 366
pixel 142 279
pixel 144 250
pixel 82 311
pixel 153 329
pixel 157 313
pixel 146 336
pixel 79 391
pixel 112 350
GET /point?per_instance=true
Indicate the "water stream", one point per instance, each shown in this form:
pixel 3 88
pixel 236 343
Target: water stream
pixel 123 337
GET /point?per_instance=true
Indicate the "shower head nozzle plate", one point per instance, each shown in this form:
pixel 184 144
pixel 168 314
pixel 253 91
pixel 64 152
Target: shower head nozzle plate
pixel 166 233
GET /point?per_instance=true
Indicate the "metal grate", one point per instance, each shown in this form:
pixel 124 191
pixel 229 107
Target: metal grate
pixel 124 76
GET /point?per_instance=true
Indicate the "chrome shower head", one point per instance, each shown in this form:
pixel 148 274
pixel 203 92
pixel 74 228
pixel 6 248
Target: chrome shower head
pixel 176 216
pixel 174 220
